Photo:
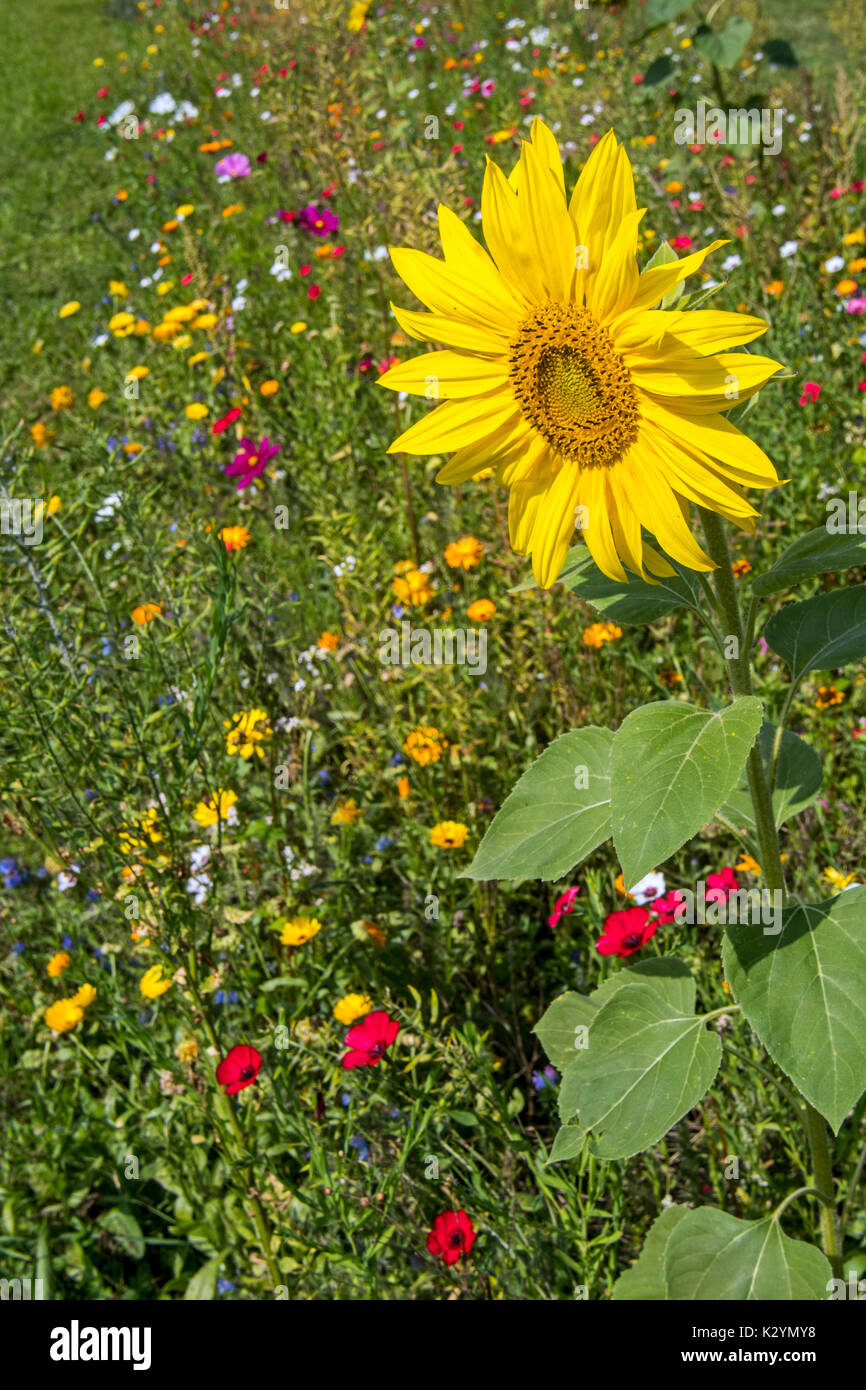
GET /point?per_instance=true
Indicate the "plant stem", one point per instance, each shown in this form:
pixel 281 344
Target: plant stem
pixel 740 678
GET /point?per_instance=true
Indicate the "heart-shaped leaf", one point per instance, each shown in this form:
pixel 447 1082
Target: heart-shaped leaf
pixel 726 47
pixel 556 815
pixel 672 765
pixel 804 993
pixel 645 1067
pixel 821 633
pixel 645 1281
pixel 711 1256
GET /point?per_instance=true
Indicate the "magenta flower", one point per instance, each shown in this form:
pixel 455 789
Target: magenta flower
pixel 811 392
pixel 319 221
pixel 563 904
pixel 233 166
pixel 251 461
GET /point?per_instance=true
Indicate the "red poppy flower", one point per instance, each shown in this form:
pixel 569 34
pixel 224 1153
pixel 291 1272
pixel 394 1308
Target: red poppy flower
pixel 720 886
pixel 666 906
pixel 452 1235
pixel 563 904
pixel 369 1039
pixel 228 419
pixel 239 1068
pixel 626 931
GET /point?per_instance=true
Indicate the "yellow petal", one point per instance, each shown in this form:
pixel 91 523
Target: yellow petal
pixel 456 423
pixel 446 292
pixel 703 384
pixel 704 331
pixel 655 283
pixel 547 227
pixel 717 438
pixel 439 328
pixel 616 279
pixel 505 235
pixel 509 442
pixel 447 375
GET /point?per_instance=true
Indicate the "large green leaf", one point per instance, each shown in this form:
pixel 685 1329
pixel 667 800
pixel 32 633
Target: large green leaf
pixel 568 1143
pixel 635 602
pixel 711 1256
pixel 818 552
pixel 798 780
pixel 550 821
pixel 821 633
pixel 663 11
pixel 645 1281
pixel 646 1065
pixel 725 48
pixel 557 1028
pixel 804 993
pixel 672 765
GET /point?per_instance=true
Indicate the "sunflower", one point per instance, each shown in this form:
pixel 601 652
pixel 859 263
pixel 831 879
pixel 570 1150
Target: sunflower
pixel 596 409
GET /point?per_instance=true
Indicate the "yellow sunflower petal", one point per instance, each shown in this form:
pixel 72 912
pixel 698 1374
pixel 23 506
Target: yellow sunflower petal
pixel 707 384
pixel 603 196
pixel 616 279
pixel 456 423
pixel 446 292
pixel 499 447
pixel 504 234
pixel 547 227
pixel 718 438
pixel 644 483
pixel 598 534
pixel 655 283
pixel 441 328
pixel 704 331
pixel 447 375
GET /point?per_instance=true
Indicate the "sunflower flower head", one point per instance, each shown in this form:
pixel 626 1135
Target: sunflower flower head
pixel 598 410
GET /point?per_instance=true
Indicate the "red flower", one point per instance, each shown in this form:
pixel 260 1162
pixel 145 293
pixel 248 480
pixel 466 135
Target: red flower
pixel 666 906
pixel 720 886
pixel 229 419
pixel 626 931
pixel 563 904
pixel 369 1039
pixel 239 1069
pixel 452 1235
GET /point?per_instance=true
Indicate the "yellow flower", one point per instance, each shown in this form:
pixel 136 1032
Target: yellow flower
pixel 747 865
pixel 181 313
pixel 838 880
pixel 299 327
pixel 84 997
pixel 425 744
pixel 185 210
pixel 598 633
pixel 152 983
pixel 463 554
pixel 480 610
pixel 247 732
pixel 328 641
pixel 448 834
pixel 195 411
pixel 352 1007
pixel 62 398
pixel 559 372
pixel 138 373
pixel 122 324
pixel 141 832
pixel 145 613
pixel 298 930
pixel 187 1052
pixel 357 15
pixel 41 434
pixel 58 963
pixel 204 321
pixel 95 398
pixel 235 537
pixel 413 588
pixel 269 388
pixel 855 238
pixel 347 812
pixel 828 696
pixel 118 289
pixel 217 806
pixel 70 308
pixel 63 1016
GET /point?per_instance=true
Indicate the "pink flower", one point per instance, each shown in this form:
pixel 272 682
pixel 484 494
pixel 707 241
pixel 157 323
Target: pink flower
pixel 856 305
pixel 681 243
pixel 319 221
pixel 369 1040
pixel 563 904
pixel 720 886
pixel 665 907
pixel 250 462
pixel 233 166
pixel 626 931
pixel 811 392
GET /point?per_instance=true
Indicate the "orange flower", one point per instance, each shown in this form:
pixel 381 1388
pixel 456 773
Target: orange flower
pixel 403 786
pixel 463 554
pixel 328 642
pixel 480 610
pixel 740 567
pixel 235 537
pixel 269 388
pixel 775 287
pixel 146 612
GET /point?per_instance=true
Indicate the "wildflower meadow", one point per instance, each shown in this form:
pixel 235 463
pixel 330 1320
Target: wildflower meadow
pixel 433 528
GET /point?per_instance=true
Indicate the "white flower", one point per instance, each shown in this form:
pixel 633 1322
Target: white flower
pixel 788 250
pixel 779 209
pixel 731 262
pixel 186 111
pixel 66 880
pixel 163 105
pixel 125 108
pixel 280 271
pixel 651 886
pixel 109 506
pixel 835 263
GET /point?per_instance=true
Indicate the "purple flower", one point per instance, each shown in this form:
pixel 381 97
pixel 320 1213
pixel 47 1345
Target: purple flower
pixel 251 461
pixel 319 221
pixel 233 166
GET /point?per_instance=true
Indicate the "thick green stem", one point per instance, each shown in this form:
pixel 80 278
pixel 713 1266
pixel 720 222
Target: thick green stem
pixel 740 677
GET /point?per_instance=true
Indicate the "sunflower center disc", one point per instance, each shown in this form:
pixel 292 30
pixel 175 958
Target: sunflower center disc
pixel 573 386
